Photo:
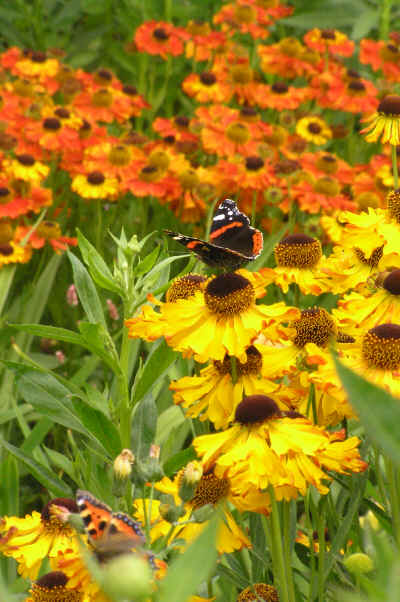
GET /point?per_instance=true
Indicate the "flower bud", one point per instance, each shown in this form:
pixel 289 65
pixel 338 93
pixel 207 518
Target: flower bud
pixel 359 564
pixel 127 577
pixel 72 296
pixel 123 464
pixel 171 513
pixel 189 478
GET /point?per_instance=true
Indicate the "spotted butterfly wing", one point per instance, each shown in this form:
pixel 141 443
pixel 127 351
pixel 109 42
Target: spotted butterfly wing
pixel 233 242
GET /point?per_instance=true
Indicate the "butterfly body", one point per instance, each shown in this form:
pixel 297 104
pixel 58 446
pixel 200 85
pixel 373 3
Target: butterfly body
pixel 233 242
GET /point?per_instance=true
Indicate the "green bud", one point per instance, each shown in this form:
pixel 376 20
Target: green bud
pixel 127 577
pixel 359 564
pixel 170 512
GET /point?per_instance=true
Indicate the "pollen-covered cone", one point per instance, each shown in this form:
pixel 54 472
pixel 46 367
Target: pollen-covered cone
pixel 31 539
pixel 265 447
pixel 210 490
pixel 223 320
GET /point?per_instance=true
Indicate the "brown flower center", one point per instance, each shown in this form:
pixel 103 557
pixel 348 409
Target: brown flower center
pixel 207 78
pixel 381 347
pixel 62 113
pixel 210 490
pixel 259 592
pixel 238 133
pixel 254 163
pixel 392 282
pixel 48 230
pixel 356 87
pixel 159 159
pixel 393 204
pixel 150 173
pixel 5 195
pixel 390 106
pixel 314 127
pixel 51 588
pixel 51 123
pixel 185 287
pixel 160 34
pixel 315 325
pixel 102 99
pixel 38 57
pixel 298 251
pixel 280 88
pixel 182 121
pixel 328 34
pixel 229 294
pixel 6 250
pixel 25 160
pixel 96 178
pixel 129 90
pixel 256 408
pixel 327 163
pixel 120 155
pixel 327 186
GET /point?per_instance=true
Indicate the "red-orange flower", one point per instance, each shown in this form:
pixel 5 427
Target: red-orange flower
pixel 47 231
pixel 159 38
pixel 179 127
pixel 381 55
pixel 329 40
pixel 245 17
pixel 280 96
pixel 202 42
pixel 324 194
pixel 289 59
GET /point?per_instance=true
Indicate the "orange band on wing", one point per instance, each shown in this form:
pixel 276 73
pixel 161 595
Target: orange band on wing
pixel 223 229
pixel 193 244
pixel 258 242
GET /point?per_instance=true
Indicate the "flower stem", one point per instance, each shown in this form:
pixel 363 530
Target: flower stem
pixel 287 542
pixel 395 168
pixel 393 481
pixel 384 22
pixel 279 566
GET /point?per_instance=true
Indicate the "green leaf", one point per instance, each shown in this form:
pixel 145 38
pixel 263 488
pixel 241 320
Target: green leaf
pixel 87 292
pixel 99 341
pixel 37 434
pixel 378 411
pixel 97 266
pixel 99 426
pixel 51 332
pixel 365 22
pixel 175 463
pixel 42 474
pixel 144 426
pixel 169 420
pixel 192 568
pixel 48 397
pixel 155 368
pixel 147 263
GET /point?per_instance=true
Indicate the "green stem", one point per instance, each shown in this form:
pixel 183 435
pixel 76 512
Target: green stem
pixel 99 225
pixel 392 477
pixel 123 388
pixel 384 21
pixel 395 168
pixel 321 553
pixel 287 541
pixel 234 370
pixel 279 568
pixel 6 280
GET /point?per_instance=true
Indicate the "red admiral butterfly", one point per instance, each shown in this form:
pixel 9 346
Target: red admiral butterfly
pixel 233 242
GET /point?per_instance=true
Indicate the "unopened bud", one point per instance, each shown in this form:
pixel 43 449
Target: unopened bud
pixel 189 479
pixel 123 464
pixel 112 310
pixel 170 512
pixel 154 451
pixel 359 564
pixel 148 470
pixel 72 296
pixel 369 519
pixel 127 577
pixel 60 356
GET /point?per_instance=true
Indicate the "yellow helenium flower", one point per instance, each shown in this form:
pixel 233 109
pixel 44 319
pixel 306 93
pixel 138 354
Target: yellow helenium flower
pixel 12 252
pixel 213 396
pixel 31 539
pixel 359 312
pixel 222 320
pixel 53 587
pixel 95 186
pixel 267 448
pixel 25 167
pixel 313 129
pixel 299 260
pixel 385 122
pixel 210 490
